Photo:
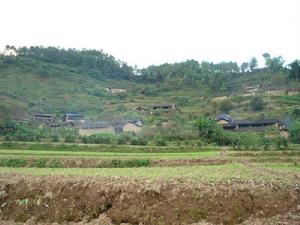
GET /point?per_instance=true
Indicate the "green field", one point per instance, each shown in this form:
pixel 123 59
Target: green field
pixel 221 165
pixel 210 173
pixel 106 155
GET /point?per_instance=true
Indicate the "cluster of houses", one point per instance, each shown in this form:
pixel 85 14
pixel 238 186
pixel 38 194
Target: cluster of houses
pixel 78 121
pixel 253 90
pixel 162 107
pixel 130 126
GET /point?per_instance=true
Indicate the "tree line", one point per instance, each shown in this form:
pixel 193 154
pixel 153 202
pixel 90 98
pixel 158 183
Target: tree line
pixel 102 65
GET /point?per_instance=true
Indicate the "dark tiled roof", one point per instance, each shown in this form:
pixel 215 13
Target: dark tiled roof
pixel 264 122
pixel 224 117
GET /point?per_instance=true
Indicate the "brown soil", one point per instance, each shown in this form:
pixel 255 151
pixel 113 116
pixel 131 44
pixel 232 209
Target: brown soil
pixel 68 199
pixel 190 162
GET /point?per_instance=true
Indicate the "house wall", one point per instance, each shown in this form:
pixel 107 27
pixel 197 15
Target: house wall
pixel 129 127
pixel 115 90
pixel 91 131
pixel 118 91
pixel 222 122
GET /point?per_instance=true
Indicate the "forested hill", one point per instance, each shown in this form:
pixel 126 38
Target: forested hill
pixel 53 80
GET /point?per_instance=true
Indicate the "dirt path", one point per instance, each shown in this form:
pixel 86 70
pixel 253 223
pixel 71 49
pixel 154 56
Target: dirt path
pixel 262 170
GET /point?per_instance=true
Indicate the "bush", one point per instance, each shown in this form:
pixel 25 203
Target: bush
pixel 13 162
pixel 40 163
pixel 209 130
pixel 225 106
pixel 281 141
pixel 70 139
pixel 100 139
pixel 295 132
pixel 160 142
pixel 182 101
pixel 55 164
pixel 139 141
pixel 84 139
pixel 55 138
pixel 266 142
pixel 130 163
pixel 124 138
pixel 257 103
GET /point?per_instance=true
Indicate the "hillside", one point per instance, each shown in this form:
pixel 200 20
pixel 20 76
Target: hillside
pixel 50 80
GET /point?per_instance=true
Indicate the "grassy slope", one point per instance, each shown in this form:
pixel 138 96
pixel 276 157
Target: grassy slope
pixel 22 92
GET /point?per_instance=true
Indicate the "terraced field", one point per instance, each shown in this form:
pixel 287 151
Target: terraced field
pixel 200 186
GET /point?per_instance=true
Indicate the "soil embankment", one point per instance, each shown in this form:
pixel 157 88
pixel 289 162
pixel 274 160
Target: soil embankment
pixel 48 199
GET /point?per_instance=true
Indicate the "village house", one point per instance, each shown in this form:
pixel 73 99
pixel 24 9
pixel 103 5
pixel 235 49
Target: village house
pixel 251 90
pixel 132 126
pixel 228 123
pixel 164 107
pixel 115 90
pixel 224 119
pixel 74 118
pixel 96 128
pixel 258 125
pixel 43 118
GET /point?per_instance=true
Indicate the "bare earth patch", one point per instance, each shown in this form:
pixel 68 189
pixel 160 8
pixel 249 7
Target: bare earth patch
pixel 69 200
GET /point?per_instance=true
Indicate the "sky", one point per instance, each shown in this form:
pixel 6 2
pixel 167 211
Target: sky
pixel 147 32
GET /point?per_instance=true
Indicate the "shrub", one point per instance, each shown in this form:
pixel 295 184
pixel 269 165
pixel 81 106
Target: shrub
pixel 40 163
pixel 225 106
pixel 295 132
pixel 160 142
pixel 84 139
pixel 281 141
pixel 266 142
pixel 257 103
pixel 55 164
pixel 117 163
pixel 13 162
pixel 209 130
pixel 70 139
pixel 182 101
pixel 55 138
pixel 139 141
pixel 100 139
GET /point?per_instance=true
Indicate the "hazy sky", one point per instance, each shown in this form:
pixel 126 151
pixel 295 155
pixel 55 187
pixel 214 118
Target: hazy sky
pixel 146 32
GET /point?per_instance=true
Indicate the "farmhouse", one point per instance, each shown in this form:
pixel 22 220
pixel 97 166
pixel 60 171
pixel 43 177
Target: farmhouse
pixel 258 125
pixel 132 126
pixel 96 128
pixel 252 90
pixel 165 107
pixel 224 119
pixel 115 90
pixel 74 118
pixel 43 118
pixel 141 109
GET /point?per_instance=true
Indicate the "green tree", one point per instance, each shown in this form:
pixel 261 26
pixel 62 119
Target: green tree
pixel 273 64
pixel 257 103
pixel 295 132
pixel 294 72
pixel 244 67
pixel 253 63
pixel 209 129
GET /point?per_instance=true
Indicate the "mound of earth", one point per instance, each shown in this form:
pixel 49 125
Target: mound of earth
pixel 75 200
